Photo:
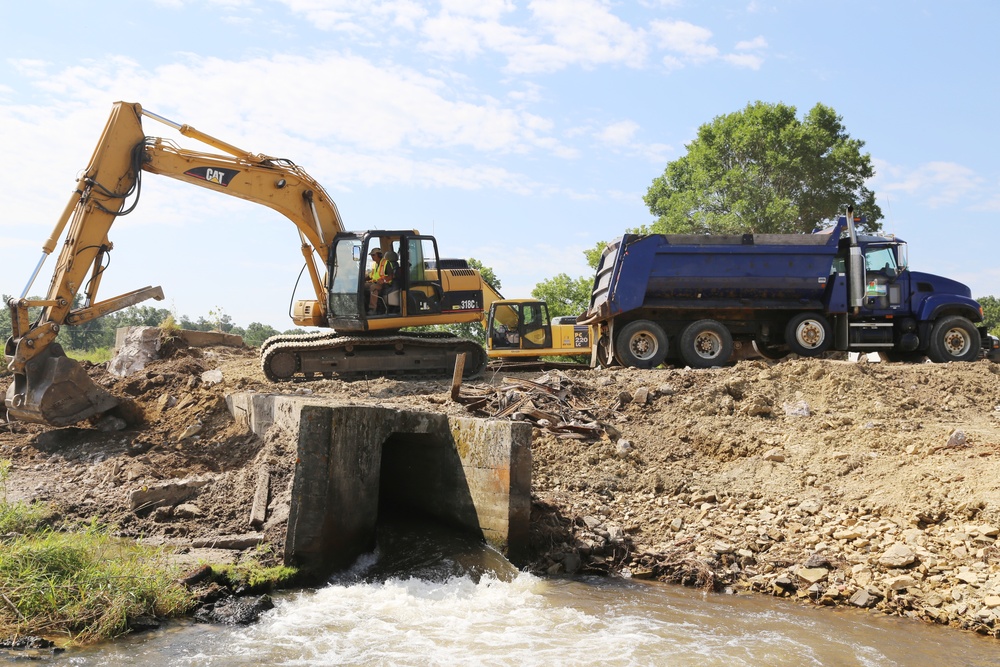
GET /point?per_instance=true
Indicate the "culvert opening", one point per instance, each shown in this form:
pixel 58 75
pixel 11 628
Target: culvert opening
pixel 426 525
pixel 421 479
pixel 357 464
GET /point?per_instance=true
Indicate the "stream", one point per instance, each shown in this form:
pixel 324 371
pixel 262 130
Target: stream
pixel 426 597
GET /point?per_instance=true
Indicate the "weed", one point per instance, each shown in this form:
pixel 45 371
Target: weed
pixel 96 356
pixel 87 586
pixel 4 475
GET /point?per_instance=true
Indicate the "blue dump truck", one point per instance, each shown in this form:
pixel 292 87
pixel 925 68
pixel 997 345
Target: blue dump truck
pixel 693 299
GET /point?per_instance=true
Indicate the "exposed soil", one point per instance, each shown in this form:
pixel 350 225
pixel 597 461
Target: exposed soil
pixel 874 485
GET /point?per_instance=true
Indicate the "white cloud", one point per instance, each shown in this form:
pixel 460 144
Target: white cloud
pixel 621 137
pixel 935 183
pixel 690 44
pixel 366 125
pixel 545 36
pixel 382 108
pixel 620 133
pixel 752 45
pixel 491 10
pixel 689 41
pixel 581 32
pixel 745 60
pixel 559 34
pixel 461 35
pixel 359 16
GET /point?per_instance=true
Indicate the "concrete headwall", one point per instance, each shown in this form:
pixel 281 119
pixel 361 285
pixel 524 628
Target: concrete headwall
pixel 354 461
pixel 192 338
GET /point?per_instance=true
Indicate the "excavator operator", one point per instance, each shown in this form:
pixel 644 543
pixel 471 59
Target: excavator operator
pixel 381 276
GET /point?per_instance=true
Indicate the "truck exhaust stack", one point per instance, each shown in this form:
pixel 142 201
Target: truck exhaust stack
pixel 855 265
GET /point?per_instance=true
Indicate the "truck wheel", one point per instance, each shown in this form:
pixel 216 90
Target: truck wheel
pixel 641 344
pixel 954 338
pixel 772 352
pixel 808 334
pixel 605 355
pixel 706 343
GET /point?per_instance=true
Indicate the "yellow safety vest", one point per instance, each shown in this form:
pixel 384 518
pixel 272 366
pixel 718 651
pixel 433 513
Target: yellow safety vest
pixel 380 270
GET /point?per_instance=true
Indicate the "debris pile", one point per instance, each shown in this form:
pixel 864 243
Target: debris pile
pixel 551 403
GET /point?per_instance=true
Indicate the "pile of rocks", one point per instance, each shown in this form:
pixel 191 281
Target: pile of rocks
pixel 946 572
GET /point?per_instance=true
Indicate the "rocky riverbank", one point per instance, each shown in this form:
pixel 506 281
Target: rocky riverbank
pixel 869 485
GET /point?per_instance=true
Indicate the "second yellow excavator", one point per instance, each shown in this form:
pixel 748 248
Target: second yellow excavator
pixel 50 388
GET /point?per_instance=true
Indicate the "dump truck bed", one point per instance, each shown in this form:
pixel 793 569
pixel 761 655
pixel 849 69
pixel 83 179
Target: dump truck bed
pixel 685 271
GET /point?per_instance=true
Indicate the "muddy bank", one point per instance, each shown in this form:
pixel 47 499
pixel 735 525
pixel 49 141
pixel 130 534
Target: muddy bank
pixel 875 486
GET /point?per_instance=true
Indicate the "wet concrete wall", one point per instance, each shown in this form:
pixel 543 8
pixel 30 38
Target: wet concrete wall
pixel 353 461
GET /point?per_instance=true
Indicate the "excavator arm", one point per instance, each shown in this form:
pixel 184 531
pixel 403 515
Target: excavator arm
pixel 50 388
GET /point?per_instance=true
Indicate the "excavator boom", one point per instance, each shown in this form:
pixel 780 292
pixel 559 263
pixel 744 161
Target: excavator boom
pixel 50 388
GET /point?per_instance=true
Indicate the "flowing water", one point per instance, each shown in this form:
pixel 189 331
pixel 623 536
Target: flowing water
pixel 427 599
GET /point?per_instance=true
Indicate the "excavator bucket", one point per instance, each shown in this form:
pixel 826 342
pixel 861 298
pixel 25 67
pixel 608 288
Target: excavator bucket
pixel 56 391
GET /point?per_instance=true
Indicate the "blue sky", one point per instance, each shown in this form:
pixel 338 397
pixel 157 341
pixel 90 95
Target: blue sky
pixel 518 133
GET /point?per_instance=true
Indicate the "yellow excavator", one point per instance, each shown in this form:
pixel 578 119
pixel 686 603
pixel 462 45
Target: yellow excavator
pixel 50 388
pixel 520 329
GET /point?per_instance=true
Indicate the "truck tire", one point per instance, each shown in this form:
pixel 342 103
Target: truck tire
pixel 772 352
pixel 954 338
pixel 808 334
pixel 641 344
pixel 706 343
pixel 605 355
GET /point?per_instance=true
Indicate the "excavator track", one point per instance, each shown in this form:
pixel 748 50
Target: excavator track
pixel 318 355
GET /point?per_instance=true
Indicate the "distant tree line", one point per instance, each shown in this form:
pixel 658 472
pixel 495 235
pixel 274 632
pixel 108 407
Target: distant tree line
pixel 100 333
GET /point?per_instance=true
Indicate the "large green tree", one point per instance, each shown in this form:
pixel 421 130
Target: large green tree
pixel 991 313
pixel 762 170
pixel 564 295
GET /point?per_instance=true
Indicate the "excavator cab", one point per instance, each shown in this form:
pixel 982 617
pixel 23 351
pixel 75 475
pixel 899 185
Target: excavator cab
pixel 384 279
pixel 521 325
pixel 520 328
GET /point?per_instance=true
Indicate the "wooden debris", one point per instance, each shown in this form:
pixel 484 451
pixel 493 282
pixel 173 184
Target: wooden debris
pixel 258 512
pixel 456 378
pixel 547 402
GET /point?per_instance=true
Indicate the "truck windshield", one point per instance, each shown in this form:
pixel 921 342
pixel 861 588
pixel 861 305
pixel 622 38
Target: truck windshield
pixel 880 258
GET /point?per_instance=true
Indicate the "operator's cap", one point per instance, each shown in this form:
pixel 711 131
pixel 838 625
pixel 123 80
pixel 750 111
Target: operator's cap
pixel 375 251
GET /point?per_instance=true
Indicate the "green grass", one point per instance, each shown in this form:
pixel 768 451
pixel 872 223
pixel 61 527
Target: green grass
pixel 257 577
pixel 79 584
pixel 23 517
pixel 96 356
pixel 84 586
